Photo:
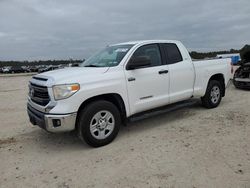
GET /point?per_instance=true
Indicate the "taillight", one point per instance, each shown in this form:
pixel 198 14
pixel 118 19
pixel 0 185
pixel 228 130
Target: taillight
pixel 232 68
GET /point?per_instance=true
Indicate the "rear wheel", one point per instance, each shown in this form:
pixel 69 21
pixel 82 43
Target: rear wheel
pixel 213 95
pixel 99 123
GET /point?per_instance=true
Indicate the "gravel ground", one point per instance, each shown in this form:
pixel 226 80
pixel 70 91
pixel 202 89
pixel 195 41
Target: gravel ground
pixel 190 147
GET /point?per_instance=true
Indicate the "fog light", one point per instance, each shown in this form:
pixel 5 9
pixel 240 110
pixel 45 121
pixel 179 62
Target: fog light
pixel 56 122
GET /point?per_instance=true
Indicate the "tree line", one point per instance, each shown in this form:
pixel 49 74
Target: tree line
pixel 203 55
pixel 39 62
pixel 244 53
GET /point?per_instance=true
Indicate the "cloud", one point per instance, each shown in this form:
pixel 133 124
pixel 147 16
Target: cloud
pixel 2 34
pixel 36 29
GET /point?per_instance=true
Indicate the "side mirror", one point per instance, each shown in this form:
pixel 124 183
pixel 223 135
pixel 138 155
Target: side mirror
pixel 138 62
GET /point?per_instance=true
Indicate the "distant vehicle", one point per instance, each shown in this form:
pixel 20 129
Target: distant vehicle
pixel 42 69
pixel 6 69
pixel 48 68
pixel 241 78
pixel 33 69
pixel 73 64
pixel 122 82
pixel 25 68
pixel 16 69
pixel 235 58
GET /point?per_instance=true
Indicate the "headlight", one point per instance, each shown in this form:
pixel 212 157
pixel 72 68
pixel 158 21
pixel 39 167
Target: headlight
pixel 65 91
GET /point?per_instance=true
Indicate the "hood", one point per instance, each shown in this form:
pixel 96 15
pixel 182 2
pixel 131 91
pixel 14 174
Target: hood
pixel 72 75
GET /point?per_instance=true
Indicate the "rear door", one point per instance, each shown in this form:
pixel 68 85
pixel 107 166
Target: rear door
pixel 181 73
pixel 148 86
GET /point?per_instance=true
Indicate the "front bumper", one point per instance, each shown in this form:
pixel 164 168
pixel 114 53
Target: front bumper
pixel 52 122
pixel 242 83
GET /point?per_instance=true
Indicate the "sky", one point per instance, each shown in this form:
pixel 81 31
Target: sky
pixel 63 29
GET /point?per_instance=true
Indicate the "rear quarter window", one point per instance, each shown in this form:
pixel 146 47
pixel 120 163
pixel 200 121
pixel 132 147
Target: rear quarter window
pixel 173 53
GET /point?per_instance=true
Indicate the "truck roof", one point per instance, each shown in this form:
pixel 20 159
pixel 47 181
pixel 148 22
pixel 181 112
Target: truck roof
pixel 146 41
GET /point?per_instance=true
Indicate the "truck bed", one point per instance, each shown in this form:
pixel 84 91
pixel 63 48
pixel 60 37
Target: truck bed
pixel 206 68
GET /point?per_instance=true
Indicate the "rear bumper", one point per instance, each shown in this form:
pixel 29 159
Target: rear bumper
pixel 52 122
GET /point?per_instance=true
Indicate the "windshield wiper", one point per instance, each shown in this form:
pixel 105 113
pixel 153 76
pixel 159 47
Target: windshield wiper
pixel 92 66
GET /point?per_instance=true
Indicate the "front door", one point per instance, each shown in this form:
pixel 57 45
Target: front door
pixel 148 87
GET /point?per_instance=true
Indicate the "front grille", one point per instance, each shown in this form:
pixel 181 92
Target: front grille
pixel 39 94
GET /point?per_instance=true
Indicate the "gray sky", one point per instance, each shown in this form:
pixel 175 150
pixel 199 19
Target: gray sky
pixel 63 29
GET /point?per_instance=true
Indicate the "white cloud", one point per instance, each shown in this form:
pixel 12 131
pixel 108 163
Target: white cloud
pixel 2 34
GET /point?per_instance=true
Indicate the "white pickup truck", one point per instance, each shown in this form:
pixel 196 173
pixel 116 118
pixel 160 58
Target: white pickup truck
pixel 118 83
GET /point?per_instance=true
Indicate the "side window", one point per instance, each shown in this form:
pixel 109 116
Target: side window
pixel 151 51
pixel 172 52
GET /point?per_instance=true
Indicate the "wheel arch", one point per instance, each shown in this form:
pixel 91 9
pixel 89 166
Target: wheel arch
pixel 220 78
pixel 114 98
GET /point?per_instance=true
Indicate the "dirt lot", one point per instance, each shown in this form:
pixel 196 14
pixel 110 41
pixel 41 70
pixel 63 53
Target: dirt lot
pixel 190 147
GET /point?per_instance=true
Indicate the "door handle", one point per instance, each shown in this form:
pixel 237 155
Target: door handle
pixel 131 79
pixel 163 72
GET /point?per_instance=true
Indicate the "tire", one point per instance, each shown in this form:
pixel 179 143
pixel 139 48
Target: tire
pixel 213 95
pixel 104 119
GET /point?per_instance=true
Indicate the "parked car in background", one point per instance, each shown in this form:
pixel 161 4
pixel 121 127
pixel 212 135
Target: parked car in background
pixel 26 68
pixel 33 68
pixel 16 69
pixel 47 68
pixel 241 78
pixel 235 58
pixel 6 69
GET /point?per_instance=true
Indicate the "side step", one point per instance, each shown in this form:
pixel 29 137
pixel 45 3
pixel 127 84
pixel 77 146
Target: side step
pixel 162 110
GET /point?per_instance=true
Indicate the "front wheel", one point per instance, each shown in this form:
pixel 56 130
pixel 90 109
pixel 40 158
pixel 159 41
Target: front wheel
pixel 99 123
pixel 213 95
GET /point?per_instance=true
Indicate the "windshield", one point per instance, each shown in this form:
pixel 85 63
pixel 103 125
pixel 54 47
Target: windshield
pixel 109 57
